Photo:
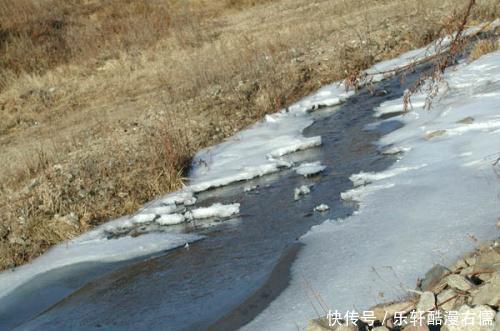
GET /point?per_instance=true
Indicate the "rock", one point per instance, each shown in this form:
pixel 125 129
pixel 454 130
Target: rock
pixel 388 310
pixel 446 299
pixel 434 134
pixel 488 293
pixel 471 259
pixel 433 277
pixel 484 276
pixel 460 264
pixel 427 302
pixel 482 271
pixel 380 328
pixel 416 328
pixel 321 324
pixel 458 282
pixel 466 120
pixel 318 325
pixel 467 271
pixel 472 323
pixel 489 257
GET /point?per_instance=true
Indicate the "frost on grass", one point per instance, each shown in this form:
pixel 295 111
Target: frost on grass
pixel 407 220
pixel 215 210
pixel 310 168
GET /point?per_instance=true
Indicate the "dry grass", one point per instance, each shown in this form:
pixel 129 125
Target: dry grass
pixel 482 47
pixel 103 103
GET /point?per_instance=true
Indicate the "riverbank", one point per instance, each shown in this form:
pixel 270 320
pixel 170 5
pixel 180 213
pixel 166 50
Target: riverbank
pixel 435 203
pixel 463 296
pixel 102 120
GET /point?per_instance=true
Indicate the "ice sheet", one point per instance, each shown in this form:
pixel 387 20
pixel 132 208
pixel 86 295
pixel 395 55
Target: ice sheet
pixel 408 220
pixel 91 247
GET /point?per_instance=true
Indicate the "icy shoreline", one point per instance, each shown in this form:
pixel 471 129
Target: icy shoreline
pixel 425 209
pixel 256 151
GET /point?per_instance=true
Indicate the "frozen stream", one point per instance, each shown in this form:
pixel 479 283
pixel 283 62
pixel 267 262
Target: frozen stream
pixel 226 279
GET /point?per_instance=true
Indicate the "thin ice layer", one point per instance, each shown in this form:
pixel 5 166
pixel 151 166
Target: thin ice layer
pixel 93 246
pixel 416 218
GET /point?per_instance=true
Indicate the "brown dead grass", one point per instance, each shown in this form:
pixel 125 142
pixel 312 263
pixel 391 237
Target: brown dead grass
pixel 482 47
pixel 103 103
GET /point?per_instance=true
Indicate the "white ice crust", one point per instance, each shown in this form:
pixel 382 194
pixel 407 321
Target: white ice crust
pixel 215 210
pixel 429 207
pixel 259 150
pixel 93 247
pixel 310 168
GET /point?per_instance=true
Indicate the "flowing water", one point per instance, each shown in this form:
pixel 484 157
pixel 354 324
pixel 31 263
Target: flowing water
pixel 226 279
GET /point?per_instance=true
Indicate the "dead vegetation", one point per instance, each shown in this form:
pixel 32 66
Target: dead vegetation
pixel 103 103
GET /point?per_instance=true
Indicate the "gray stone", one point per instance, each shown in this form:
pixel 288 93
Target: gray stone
pixel 476 315
pixel 433 277
pixel 427 302
pixel 446 299
pixel 322 325
pixel 466 120
pixel 488 293
pixel 458 282
pixel 416 328
pixel 467 271
pixel 460 264
pixel 388 310
pixel 490 256
pixel 471 259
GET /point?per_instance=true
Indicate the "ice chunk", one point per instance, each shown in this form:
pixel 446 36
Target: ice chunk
pixel 246 173
pixel 298 144
pixel 299 191
pixel 215 210
pixel 310 168
pixel 322 208
pixel 357 194
pixel 395 150
pixel 185 197
pixel 160 210
pixel 250 188
pixel 143 218
pixel 364 178
pixel 170 219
